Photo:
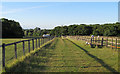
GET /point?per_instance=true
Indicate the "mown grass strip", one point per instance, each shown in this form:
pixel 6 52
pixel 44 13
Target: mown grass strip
pixel 106 57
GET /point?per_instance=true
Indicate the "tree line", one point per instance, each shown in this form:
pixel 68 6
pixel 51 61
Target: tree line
pixel 35 32
pixel 12 29
pixel 110 29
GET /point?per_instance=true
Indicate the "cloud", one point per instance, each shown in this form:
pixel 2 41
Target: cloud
pixel 21 9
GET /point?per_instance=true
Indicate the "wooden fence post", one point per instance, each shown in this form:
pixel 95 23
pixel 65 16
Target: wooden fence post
pixel 29 45
pixel 3 55
pixel 102 42
pixel 88 39
pixel 33 43
pixel 15 50
pixel 112 43
pixel 23 47
pixel 116 44
pixel 91 40
pixel 36 42
pixel 39 41
pixel 43 40
pixel 95 39
pixel 98 40
pixel 107 42
pixel 85 38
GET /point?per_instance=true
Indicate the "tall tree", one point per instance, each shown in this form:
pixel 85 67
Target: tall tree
pixel 11 29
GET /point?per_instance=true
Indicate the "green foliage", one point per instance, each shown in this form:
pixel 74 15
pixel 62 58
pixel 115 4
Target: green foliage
pixel 11 29
pixel 110 29
pixel 36 32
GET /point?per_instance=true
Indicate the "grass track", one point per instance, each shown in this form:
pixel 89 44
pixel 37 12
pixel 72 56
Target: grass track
pixel 64 55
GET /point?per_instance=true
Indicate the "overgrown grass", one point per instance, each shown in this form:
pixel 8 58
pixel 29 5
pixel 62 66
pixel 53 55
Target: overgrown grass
pixel 66 55
pixel 10 50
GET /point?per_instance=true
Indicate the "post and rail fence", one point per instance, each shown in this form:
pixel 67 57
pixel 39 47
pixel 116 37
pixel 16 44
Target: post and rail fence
pixel 39 41
pixel 112 42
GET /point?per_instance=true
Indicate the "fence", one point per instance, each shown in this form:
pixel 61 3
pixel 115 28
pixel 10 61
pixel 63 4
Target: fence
pixel 34 43
pixel 112 42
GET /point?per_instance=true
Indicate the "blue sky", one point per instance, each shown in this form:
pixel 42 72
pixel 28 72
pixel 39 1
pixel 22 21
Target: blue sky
pixel 48 15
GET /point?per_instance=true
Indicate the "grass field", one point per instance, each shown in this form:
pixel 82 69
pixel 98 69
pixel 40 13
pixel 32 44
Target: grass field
pixel 10 51
pixel 67 55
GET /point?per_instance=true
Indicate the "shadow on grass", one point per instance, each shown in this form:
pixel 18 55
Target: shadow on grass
pixel 97 59
pixel 48 46
pixel 36 62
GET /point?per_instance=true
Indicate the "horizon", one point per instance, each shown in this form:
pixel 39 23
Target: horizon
pixel 47 15
pixel 67 25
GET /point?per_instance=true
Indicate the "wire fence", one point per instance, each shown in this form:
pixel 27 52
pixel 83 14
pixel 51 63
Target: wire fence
pixel 15 50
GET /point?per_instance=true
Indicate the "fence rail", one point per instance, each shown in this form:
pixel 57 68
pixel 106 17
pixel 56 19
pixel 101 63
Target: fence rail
pixel 112 42
pixel 39 41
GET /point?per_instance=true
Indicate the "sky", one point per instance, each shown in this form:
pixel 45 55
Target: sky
pixel 60 0
pixel 48 15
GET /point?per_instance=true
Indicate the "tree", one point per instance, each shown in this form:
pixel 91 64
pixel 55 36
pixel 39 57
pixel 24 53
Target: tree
pixel 37 31
pixel 11 29
pixel 64 30
pixel 109 29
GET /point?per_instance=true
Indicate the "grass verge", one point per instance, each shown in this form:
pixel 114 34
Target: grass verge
pixel 21 59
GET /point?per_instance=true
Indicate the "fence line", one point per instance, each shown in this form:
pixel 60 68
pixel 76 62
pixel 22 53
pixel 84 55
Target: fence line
pixel 111 42
pixel 23 44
